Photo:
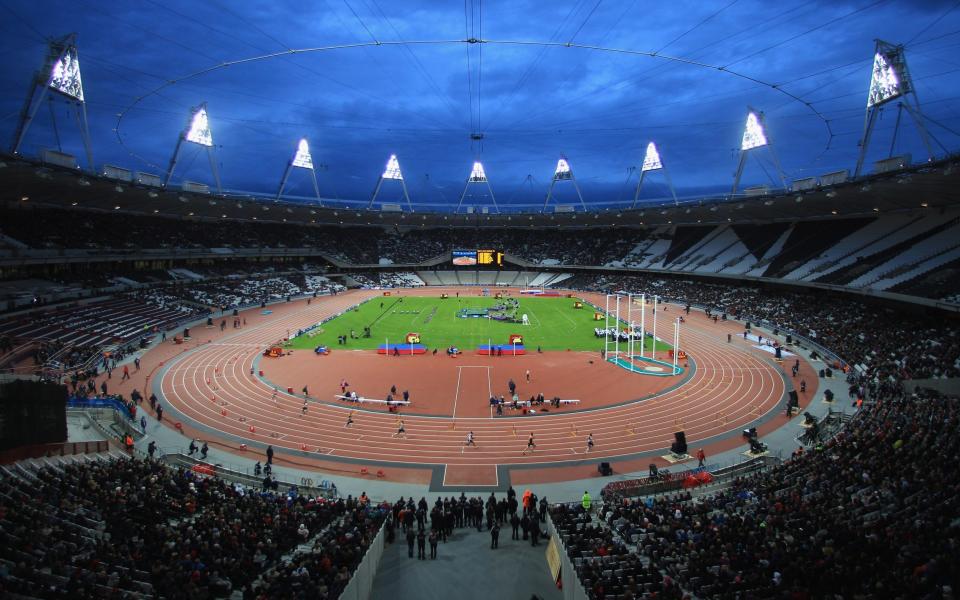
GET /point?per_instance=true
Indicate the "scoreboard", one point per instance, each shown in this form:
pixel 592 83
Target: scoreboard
pixel 466 258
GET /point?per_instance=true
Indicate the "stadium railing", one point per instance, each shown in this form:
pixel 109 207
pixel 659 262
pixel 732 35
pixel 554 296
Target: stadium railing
pixel 646 486
pixel 241 475
pixel 121 416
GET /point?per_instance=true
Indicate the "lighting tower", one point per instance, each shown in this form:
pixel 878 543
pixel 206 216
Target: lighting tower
pixel 391 172
pixel 301 160
pixel 889 80
pixel 197 132
pixel 755 136
pixel 652 162
pixel 60 73
pixel 477 176
pixel 563 172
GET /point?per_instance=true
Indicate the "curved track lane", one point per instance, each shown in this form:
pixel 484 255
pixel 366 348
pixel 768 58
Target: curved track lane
pixel 732 386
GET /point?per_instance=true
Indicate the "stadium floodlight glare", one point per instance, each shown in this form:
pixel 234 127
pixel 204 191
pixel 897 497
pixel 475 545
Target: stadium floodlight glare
pixel 303 159
pixel 890 80
pixel 753 134
pixel 65 77
pixel 651 160
pixel 884 82
pixel 59 76
pixel 563 172
pixel 199 130
pixel 392 171
pixel 477 174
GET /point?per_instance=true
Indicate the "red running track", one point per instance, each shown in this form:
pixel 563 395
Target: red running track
pixel 733 385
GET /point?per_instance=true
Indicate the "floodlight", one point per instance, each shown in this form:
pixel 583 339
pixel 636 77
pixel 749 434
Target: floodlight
pixel 477 175
pixel 651 161
pixel 884 82
pixel 199 131
pixel 65 77
pixel 391 172
pixel 563 172
pixel 890 80
pixel 303 159
pixel 753 135
pixel 393 169
pixel 60 77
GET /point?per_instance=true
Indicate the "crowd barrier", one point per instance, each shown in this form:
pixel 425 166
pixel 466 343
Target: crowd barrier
pixel 645 486
pixel 361 584
pixel 121 416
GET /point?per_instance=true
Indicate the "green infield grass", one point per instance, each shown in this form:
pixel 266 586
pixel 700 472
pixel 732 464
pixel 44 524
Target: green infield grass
pixel 554 324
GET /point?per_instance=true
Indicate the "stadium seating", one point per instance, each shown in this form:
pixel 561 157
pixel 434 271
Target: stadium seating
pixel 109 526
pixel 870 509
pixel 881 253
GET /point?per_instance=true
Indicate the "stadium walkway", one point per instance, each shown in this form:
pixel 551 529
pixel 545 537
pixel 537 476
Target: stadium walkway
pixel 466 569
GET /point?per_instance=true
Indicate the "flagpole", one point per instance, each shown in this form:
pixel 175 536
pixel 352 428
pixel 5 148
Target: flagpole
pixel 653 350
pixel 630 327
pixel 643 323
pixel 606 329
pixel 617 323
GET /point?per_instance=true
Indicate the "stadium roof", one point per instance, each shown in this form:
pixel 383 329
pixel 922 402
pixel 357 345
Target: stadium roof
pixel 512 84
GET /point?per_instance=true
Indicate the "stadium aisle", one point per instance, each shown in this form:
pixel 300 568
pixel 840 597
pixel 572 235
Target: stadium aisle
pixel 466 569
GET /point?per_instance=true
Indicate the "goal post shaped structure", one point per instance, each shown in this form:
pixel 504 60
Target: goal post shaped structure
pixel 301 160
pixel 563 172
pixel 391 172
pixel 477 176
pixel 890 80
pixel 197 132
pixel 59 74
pixel 755 136
pixel 651 163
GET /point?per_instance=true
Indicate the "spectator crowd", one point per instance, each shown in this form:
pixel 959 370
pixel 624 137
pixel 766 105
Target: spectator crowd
pixel 870 513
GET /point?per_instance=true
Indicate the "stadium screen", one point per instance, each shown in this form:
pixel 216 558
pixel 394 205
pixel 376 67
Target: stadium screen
pixel 468 258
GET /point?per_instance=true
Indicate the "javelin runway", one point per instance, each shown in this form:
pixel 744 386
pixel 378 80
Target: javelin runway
pixel 211 387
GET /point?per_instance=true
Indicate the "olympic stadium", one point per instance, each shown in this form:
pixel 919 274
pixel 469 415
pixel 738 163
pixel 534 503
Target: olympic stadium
pixel 520 300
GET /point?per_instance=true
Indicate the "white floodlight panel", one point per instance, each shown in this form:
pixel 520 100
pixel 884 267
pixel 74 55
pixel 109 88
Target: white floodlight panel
pixel 199 132
pixel 393 169
pixel 753 135
pixel 65 77
pixel 478 174
pixel 563 168
pixel 303 158
pixel 651 160
pixel 884 83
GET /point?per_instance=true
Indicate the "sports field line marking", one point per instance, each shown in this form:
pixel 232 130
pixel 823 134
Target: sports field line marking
pixel 456 396
pixel 572 322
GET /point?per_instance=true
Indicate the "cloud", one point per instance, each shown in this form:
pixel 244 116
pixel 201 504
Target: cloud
pixel 531 102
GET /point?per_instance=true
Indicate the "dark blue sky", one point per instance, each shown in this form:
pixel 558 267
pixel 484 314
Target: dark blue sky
pixel 531 102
